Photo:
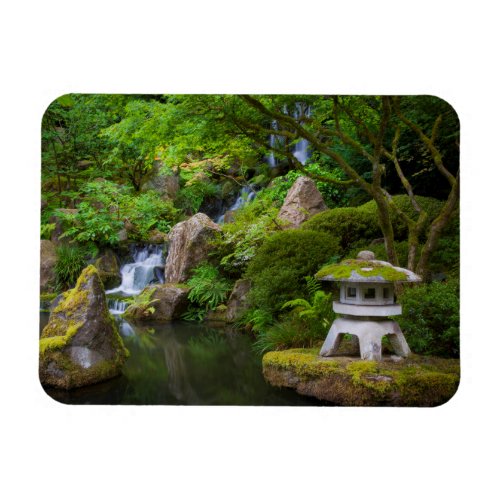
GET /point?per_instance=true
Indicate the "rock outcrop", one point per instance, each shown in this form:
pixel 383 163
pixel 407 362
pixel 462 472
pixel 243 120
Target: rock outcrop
pixel 347 381
pixel 165 185
pixel 189 244
pixel 237 303
pixel 159 303
pixel 302 201
pixel 80 344
pixel 109 269
pixel 48 259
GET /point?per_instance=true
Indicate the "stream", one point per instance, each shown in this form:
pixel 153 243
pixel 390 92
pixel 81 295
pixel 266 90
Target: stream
pixel 184 363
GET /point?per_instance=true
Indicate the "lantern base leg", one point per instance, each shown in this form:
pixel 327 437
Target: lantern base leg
pixel 370 335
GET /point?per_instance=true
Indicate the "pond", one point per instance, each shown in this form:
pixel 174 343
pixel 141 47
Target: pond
pixel 184 363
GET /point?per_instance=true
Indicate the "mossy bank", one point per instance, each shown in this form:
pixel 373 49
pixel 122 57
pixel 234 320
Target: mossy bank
pixel 416 381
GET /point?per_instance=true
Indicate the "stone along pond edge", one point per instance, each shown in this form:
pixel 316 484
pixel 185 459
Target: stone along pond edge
pixel 417 381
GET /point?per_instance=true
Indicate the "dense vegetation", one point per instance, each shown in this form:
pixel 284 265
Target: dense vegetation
pixel 126 168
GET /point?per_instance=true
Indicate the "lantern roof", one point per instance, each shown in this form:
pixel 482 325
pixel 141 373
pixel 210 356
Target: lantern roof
pixel 366 269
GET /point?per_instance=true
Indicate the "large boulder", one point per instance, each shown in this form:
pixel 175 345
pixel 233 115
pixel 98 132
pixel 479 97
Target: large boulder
pixel 238 303
pixel 80 344
pixel 159 303
pixel 109 269
pixel 48 259
pixel 189 244
pixel 302 201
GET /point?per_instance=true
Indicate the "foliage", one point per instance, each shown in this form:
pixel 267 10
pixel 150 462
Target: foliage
pixel 208 287
pixel 71 260
pixel 281 264
pixel 292 332
pixel 351 225
pixel 304 326
pixel 106 208
pixel 147 211
pixel 430 318
pixel 403 202
pixel 333 196
pixel 142 304
pixel 46 231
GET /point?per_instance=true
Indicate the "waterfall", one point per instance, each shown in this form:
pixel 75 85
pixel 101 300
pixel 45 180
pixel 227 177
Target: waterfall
pixel 144 270
pixel 271 160
pixel 117 306
pixel 246 195
pixel 301 148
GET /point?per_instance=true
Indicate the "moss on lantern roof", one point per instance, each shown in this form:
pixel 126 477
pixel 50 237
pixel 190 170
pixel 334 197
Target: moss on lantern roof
pixel 365 270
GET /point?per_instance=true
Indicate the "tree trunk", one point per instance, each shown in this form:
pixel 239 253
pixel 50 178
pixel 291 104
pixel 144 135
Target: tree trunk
pixel 386 227
pixel 437 226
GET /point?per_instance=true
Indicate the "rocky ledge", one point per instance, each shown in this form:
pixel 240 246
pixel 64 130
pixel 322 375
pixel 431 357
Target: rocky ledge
pixel 346 381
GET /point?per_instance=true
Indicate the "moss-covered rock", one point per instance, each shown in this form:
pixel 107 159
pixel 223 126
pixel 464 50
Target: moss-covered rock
pixel 80 344
pixel 159 303
pixel 346 381
pixel 108 267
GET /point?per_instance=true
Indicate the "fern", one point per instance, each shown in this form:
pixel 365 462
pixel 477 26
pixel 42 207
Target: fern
pixel 208 288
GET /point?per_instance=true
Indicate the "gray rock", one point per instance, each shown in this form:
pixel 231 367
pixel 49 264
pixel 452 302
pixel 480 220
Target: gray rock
pixel 189 245
pixel 365 255
pixel 166 186
pixel 302 201
pixel 109 269
pixel 48 259
pixel 161 303
pixel 80 344
pixel 237 303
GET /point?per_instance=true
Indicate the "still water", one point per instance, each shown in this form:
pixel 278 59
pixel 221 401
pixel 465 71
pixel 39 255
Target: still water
pixel 184 363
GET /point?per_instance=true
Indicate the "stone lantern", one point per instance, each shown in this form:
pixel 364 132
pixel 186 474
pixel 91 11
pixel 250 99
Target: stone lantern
pixel 366 300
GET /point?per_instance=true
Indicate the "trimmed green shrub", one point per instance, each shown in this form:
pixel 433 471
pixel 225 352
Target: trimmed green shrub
pixel 430 319
pixel 353 226
pixel 281 264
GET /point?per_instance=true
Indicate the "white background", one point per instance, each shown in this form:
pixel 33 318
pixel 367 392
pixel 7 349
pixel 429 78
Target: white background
pixel 50 48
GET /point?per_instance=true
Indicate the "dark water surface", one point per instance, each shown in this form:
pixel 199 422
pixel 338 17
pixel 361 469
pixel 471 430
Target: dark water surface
pixel 184 363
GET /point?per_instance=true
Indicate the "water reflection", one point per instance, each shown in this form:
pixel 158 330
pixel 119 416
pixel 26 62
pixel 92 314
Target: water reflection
pixel 184 363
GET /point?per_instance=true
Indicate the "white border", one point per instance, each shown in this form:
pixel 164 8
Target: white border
pixel 443 48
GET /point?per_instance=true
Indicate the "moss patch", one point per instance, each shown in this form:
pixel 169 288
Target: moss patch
pixel 366 269
pixel 346 381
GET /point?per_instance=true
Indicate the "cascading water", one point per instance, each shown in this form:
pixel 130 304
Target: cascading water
pixel 301 148
pixel 145 269
pixel 246 195
pixel 271 160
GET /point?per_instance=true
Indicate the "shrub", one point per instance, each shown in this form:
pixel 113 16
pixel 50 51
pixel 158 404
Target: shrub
pixel 430 318
pixel 281 264
pixel 70 262
pixel 147 211
pixel 353 226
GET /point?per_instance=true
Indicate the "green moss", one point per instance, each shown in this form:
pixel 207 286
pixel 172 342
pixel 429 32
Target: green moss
pixel 366 269
pixel 304 362
pixel 415 381
pixel 57 342
pixel 47 297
